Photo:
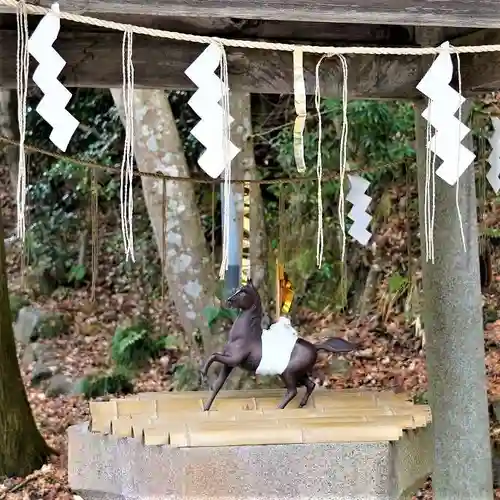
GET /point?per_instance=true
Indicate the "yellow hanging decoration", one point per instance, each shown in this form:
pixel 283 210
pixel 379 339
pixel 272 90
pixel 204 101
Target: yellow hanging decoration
pixel 245 245
pixel 285 291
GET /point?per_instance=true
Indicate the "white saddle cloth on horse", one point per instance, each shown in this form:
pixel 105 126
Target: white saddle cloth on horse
pixel 277 346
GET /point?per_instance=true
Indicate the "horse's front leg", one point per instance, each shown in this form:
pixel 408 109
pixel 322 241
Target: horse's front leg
pixel 221 379
pixel 226 359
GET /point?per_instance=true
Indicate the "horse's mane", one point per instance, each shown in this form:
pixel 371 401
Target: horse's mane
pixel 256 317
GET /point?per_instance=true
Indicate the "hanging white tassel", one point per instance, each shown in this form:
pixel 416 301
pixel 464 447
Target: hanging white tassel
pixel 449 130
pixel 358 214
pixel 493 174
pixel 214 128
pixel 52 107
pixel 22 67
pixel 127 166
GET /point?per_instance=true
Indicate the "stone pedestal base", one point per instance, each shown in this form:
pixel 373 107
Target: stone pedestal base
pixel 344 445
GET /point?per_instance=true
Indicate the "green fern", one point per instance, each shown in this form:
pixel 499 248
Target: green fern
pixel 132 346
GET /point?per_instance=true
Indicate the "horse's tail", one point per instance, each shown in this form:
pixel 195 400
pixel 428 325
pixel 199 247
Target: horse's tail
pixel 336 344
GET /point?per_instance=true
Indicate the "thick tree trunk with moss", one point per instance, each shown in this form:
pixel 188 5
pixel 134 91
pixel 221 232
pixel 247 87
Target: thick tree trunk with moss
pixel 22 448
pixel 158 149
pixel 8 128
pixel 243 167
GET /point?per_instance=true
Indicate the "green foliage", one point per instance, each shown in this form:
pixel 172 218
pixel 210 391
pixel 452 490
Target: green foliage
pixel 421 398
pixel 77 273
pixel 133 345
pixel 59 191
pixel 490 315
pixel 380 138
pixel 118 381
pixel 397 283
pixel 491 232
pixel 17 302
pixel 213 314
pixel 186 376
pixel 51 325
pixel 380 134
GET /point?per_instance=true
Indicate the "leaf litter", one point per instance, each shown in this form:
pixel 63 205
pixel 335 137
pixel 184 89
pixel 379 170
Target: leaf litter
pixel 390 356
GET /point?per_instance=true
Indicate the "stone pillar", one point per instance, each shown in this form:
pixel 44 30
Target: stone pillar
pixel 455 338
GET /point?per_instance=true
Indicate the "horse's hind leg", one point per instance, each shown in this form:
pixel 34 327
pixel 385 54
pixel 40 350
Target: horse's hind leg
pixel 291 388
pixel 223 376
pixel 310 385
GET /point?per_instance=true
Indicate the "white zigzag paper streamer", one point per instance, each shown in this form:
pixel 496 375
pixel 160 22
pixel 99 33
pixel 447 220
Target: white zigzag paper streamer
pixel 52 106
pixel 449 130
pixel 493 174
pixel 358 214
pixel 205 103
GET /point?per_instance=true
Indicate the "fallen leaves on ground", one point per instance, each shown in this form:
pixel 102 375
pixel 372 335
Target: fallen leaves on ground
pixel 390 356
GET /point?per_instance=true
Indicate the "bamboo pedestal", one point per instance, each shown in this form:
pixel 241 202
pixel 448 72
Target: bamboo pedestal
pixel 344 444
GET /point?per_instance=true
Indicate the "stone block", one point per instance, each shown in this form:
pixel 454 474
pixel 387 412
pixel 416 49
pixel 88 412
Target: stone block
pixel 104 466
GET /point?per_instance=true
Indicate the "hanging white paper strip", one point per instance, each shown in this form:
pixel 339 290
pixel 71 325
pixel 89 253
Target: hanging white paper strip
pixel 52 106
pixel 449 130
pixel 493 174
pixel 205 103
pixel 358 214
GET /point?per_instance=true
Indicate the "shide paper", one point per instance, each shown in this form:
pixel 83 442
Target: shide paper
pixel 449 131
pixel 358 214
pixel 493 174
pixel 52 106
pixel 209 131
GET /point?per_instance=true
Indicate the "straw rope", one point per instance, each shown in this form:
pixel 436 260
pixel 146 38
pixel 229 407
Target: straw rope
pixel 251 44
pixel 287 180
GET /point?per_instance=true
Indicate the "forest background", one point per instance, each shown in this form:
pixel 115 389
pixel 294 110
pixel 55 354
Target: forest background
pixel 138 334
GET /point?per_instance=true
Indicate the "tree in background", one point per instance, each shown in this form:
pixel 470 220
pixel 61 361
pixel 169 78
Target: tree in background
pixel 8 128
pixel 22 447
pixel 158 149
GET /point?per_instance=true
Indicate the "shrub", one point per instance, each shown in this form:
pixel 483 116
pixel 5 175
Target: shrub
pixel 116 382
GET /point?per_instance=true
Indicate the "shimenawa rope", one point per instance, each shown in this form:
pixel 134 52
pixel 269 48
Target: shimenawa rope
pixel 193 180
pixel 251 44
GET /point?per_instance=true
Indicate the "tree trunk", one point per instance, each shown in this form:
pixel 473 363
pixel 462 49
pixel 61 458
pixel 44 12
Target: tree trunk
pixel 22 448
pixel 158 149
pixel 455 339
pixel 243 167
pixel 8 128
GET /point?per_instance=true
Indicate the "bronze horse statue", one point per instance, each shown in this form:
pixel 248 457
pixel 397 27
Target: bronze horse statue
pixel 244 349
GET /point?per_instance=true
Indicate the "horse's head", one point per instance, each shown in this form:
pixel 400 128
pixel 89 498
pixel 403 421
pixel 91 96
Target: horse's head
pixel 244 298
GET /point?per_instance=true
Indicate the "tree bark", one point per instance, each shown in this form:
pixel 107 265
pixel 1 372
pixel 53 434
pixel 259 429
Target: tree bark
pixel 8 128
pixel 158 149
pixel 455 338
pixel 22 448
pixel 244 167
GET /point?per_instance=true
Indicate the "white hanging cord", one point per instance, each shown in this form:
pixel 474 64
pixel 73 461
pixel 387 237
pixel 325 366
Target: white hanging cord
pixel 457 187
pixel 430 191
pixel 343 153
pixel 226 139
pixel 427 184
pixel 22 69
pixel 127 166
pixel 319 167
pixel 433 202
